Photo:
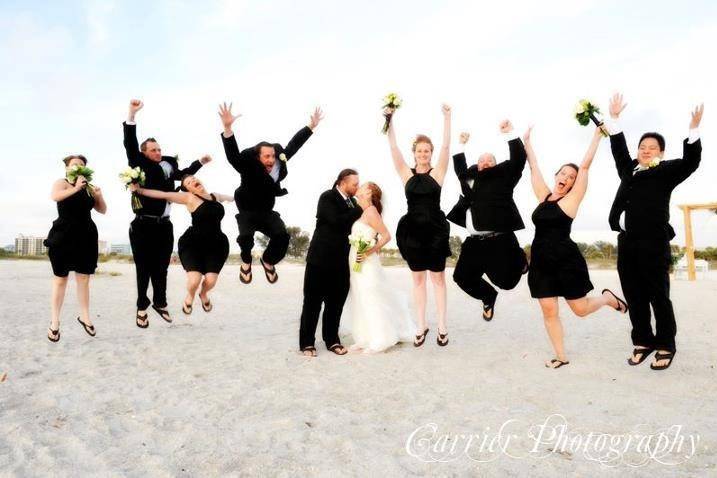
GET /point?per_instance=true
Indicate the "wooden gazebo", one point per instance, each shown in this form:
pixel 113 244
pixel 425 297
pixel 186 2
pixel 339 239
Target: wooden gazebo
pixel 689 241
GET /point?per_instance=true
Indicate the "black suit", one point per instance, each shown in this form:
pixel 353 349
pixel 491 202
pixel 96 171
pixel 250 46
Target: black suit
pixel 644 254
pixel 150 233
pixel 326 279
pixel 256 196
pixel 490 200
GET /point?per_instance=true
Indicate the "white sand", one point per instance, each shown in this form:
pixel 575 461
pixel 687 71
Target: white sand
pixel 227 392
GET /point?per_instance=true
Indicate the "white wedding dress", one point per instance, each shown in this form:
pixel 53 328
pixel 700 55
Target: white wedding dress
pixel 377 318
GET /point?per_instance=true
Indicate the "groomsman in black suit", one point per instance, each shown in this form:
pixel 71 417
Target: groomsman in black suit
pixel 486 208
pixel 262 168
pixel 150 233
pixel 326 279
pixel 641 214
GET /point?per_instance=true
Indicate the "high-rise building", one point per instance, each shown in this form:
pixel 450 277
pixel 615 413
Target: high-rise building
pixel 30 246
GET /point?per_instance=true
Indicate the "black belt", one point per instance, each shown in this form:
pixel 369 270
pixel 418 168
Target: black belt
pixel 150 218
pixel 490 235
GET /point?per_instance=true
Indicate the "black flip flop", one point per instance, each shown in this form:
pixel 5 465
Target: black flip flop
pixel 645 353
pixel 163 313
pixel 186 308
pixel 558 361
pixel 245 276
pixel 309 349
pixel 55 335
pixel 488 311
pixel 143 318
pixel 207 306
pixel 420 339
pixel 619 301
pixel 442 339
pixel 268 271
pixel 90 329
pixel 335 347
pixel 663 356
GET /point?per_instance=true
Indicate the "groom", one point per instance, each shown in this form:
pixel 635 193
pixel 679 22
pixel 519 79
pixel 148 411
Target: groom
pixel 326 279
pixel 641 213
pixel 486 208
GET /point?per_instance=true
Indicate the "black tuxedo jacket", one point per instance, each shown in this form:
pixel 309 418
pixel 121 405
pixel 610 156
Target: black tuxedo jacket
pixel 490 200
pixel 329 245
pixel 645 196
pixel 154 173
pixel 258 190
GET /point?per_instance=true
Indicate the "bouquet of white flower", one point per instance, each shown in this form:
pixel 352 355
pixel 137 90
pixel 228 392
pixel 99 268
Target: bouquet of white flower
pixel 585 111
pixel 133 176
pixel 362 244
pixel 393 102
pixel 84 171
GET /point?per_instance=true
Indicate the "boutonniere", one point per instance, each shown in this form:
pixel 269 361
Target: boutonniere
pixel 282 157
pixel 654 162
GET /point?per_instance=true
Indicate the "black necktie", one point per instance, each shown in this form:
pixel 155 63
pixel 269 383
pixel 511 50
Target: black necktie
pixel 349 203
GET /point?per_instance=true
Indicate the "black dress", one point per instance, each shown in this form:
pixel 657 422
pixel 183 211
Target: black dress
pixel 422 234
pixel 557 268
pixel 203 247
pixel 72 240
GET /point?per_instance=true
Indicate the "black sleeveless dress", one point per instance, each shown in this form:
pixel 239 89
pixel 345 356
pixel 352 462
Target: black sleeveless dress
pixel 557 268
pixel 72 240
pixel 203 247
pixel 422 234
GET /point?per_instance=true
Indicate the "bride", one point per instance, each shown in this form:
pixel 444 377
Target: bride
pixel 376 318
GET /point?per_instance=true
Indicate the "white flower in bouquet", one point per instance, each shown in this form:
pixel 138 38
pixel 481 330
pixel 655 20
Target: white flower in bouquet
pixel 362 244
pixel 133 176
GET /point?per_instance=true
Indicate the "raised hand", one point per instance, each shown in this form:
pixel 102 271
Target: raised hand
pixel 697 116
pixel 506 126
pixel 616 105
pixel 446 109
pixel 225 113
pixel 135 106
pixel 526 135
pixel 316 118
pixel 205 159
pixel 464 137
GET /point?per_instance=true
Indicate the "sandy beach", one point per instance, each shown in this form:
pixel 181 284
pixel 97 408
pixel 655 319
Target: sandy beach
pixel 227 393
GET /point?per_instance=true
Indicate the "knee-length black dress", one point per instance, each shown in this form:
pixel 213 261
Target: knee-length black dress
pixel 204 247
pixel 72 240
pixel 557 268
pixel 422 233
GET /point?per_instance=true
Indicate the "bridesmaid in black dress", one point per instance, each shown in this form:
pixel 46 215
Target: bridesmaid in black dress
pixel 422 234
pixel 203 248
pixel 557 268
pixel 72 244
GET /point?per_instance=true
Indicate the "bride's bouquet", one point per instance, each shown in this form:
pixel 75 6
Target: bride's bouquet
pixel 362 244
pixel 586 111
pixel 393 102
pixel 84 171
pixel 133 176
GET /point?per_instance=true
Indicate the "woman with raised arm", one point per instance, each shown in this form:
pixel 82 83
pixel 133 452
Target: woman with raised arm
pixel 203 248
pixel 557 268
pixel 72 243
pixel 422 234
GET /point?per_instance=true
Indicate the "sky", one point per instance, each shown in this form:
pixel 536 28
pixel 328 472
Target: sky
pixel 70 69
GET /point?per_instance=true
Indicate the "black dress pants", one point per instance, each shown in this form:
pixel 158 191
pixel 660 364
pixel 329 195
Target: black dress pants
pixel 327 286
pixel 152 241
pixel 268 223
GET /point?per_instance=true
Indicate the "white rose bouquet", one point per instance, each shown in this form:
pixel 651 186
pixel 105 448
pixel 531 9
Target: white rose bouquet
pixel 586 111
pixel 77 170
pixel 393 102
pixel 362 244
pixel 133 176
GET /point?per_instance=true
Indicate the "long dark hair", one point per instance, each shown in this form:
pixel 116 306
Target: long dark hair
pixel 344 174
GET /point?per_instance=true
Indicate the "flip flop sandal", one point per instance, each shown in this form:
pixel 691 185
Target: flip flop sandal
pixel 186 308
pixel 556 361
pixel 309 349
pixel 334 348
pixel 268 272
pixel 663 356
pixel 90 329
pixel 488 311
pixel 442 339
pixel 55 335
pixel 207 306
pixel 245 275
pixel 420 339
pixel 620 302
pixel 645 353
pixel 144 318
pixel 163 313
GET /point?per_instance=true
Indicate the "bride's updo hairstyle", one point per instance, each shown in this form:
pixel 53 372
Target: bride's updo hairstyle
pixel 376 195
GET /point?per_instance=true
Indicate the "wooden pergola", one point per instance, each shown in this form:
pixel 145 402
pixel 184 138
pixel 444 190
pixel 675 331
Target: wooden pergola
pixel 689 241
